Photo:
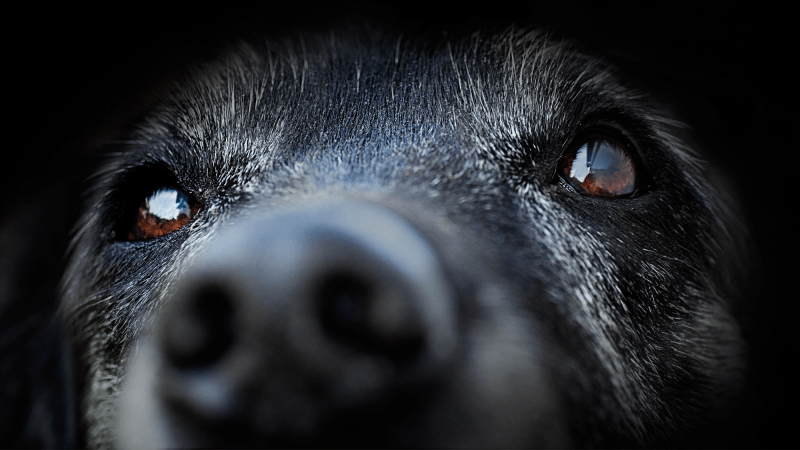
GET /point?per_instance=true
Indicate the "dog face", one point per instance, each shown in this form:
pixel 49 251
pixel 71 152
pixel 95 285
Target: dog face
pixel 353 239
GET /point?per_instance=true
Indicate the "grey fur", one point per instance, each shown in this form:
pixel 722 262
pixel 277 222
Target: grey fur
pixel 631 318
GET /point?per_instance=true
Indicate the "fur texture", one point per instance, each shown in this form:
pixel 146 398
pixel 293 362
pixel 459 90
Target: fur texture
pixel 618 311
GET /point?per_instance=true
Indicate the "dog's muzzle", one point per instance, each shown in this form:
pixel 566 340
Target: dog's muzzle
pixel 334 324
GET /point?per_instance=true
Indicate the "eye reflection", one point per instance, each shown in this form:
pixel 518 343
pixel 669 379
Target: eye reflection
pixel 600 167
pixel 168 204
pixel 164 211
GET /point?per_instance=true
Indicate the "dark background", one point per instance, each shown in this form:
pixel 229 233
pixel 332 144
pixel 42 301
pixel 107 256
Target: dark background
pixel 75 75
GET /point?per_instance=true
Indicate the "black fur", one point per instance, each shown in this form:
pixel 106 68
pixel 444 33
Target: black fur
pixel 475 135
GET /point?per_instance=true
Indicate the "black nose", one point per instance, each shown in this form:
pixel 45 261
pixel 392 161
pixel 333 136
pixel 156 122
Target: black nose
pixel 291 319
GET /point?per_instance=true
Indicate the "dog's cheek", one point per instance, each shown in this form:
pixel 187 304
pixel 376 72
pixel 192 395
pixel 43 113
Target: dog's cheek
pixel 581 285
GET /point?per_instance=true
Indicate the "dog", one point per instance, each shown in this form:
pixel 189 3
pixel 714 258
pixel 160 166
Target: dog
pixel 365 239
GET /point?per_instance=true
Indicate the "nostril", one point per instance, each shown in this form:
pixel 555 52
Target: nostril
pixel 201 332
pixel 344 301
pixel 369 315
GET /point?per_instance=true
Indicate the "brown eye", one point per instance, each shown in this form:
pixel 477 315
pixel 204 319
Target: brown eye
pixel 599 166
pixel 165 210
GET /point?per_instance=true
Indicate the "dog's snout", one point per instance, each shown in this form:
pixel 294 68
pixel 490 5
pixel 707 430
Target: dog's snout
pixel 318 309
pixel 355 289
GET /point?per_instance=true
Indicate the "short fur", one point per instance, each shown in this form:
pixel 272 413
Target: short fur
pixel 623 305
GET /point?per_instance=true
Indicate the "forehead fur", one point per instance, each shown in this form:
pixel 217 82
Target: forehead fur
pixel 346 90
